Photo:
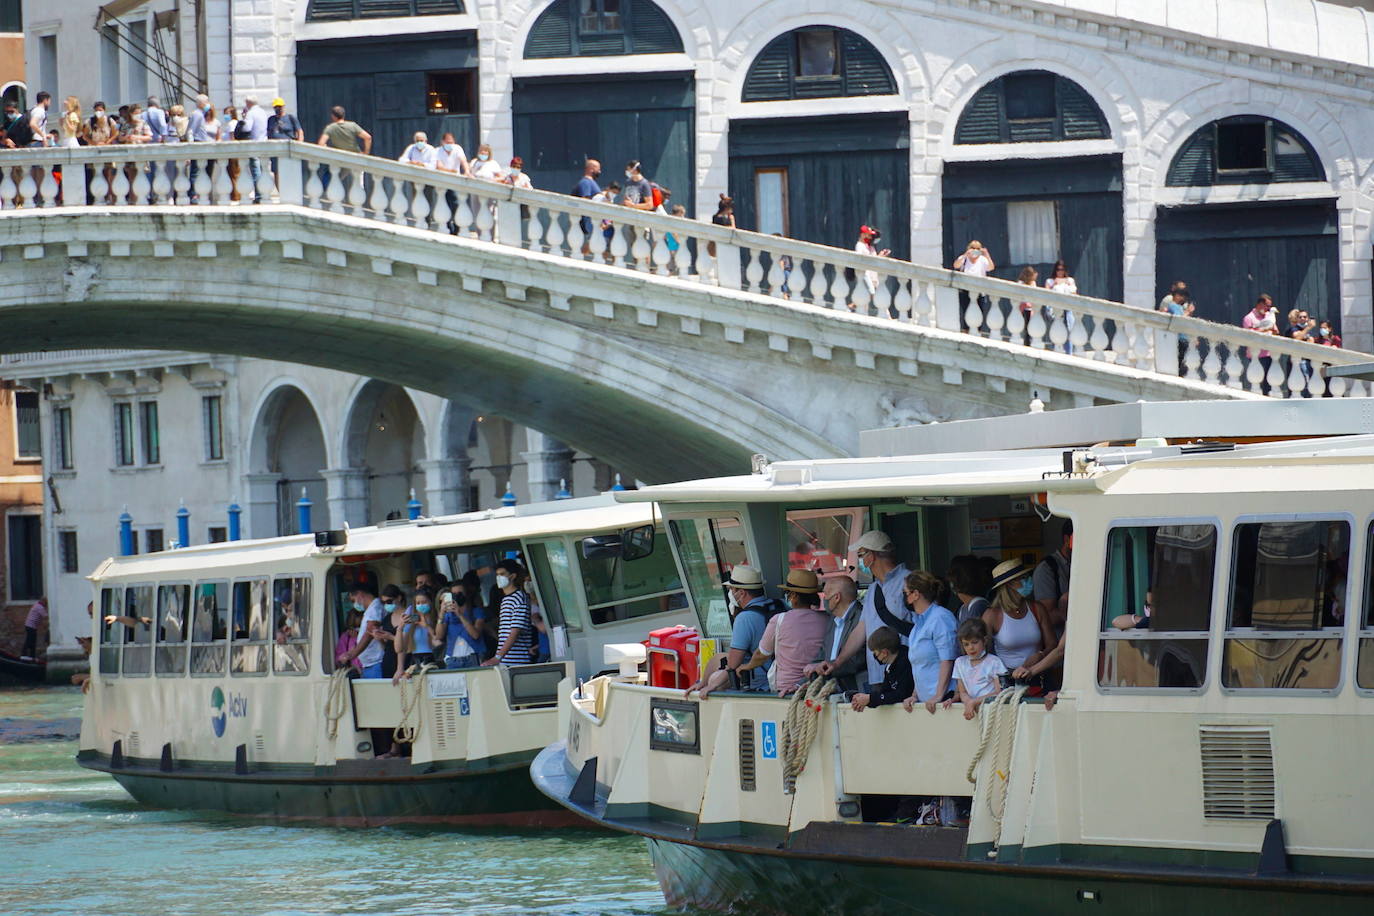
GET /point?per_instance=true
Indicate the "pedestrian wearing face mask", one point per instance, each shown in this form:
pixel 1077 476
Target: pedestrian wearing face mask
pixel 372 636
pixel 485 166
pixel 882 603
pixel 1019 630
pixel 516 177
pixel 515 627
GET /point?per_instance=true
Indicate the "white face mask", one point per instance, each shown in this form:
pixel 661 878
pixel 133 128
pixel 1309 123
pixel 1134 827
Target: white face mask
pixel 483 157
pixel 515 171
pixel 448 147
pixel 630 176
pixel 502 581
pixel 975 254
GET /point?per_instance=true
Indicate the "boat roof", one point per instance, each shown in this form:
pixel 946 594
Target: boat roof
pixel 1018 472
pixel 1269 418
pixel 590 515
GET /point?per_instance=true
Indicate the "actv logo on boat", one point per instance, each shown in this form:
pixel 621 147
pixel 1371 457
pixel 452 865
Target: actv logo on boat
pixel 219 716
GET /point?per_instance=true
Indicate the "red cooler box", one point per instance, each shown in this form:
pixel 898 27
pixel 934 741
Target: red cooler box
pixel 673 656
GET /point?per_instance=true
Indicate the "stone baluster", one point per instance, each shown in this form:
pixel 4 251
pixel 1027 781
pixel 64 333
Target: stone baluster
pixel 576 238
pixel 334 194
pixel 1192 360
pixel 142 186
pixel 994 319
pixel 357 193
pixel 181 184
pixel 597 242
pixel 682 258
pixel 923 306
pixel 1059 331
pixel 1078 335
pixel 860 299
pixel 1142 347
pixel 1274 376
pixel 314 189
pixel 377 199
pixel 534 227
pixel 203 185
pixel 1254 373
pixel 641 250
pixel 1235 366
pixel 1016 323
pixel 815 290
pixel 753 272
pixel 9 189
pixel 1036 327
pixel 119 187
pixel 775 274
pixel 973 315
pixel 1212 365
pixel 161 185
pixel 419 205
pixel 662 256
pixel 839 288
pixel 264 187
pixel 485 219
pixel 1297 382
pixel 902 302
pixel 620 246
pixel 396 203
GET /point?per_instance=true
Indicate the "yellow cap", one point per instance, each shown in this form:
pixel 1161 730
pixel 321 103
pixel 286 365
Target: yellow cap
pixel 279 101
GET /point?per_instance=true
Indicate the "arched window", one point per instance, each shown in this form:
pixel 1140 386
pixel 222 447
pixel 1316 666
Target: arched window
pixel 335 10
pixel 1245 149
pixel 602 28
pixel 1028 106
pixel 817 62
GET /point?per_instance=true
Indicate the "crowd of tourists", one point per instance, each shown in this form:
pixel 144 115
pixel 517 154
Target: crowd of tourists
pixel 913 639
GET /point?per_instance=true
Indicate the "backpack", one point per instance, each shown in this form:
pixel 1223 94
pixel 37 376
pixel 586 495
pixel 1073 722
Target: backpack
pixel 241 130
pixel 657 192
pixel 20 131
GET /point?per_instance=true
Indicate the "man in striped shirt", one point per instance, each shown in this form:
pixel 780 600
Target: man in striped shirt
pixel 515 629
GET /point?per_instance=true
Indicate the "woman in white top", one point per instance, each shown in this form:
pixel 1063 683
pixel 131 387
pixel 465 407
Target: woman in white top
pixel 69 127
pixel 975 260
pixel 1060 281
pixel 1019 630
pixel 484 166
pixel 212 125
pixel 517 177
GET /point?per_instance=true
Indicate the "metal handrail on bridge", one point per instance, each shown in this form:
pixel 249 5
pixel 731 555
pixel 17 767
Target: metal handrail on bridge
pixel 671 247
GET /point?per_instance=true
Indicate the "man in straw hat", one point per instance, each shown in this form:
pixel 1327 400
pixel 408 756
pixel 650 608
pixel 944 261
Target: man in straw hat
pixel 793 639
pixel 750 610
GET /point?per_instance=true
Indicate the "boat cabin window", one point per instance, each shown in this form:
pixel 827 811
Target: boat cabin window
pixel 1157 607
pixel 139 614
pixel 551 567
pixel 710 548
pixel 1364 668
pixel 291 617
pixel 112 632
pixel 209 628
pixel 252 627
pixel 1287 608
pixel 173 624
pixel 819 539
pixel 620 589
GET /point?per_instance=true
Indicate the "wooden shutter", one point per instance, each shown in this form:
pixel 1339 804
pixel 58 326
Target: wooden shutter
pixel 651 31
pixel 438 7
pixel 770 75
pixel 981 119
pixel 1193 164
pixel 551 35
pixel 865 72
pixel 1078 112
pixel 381 9
pixel 329 10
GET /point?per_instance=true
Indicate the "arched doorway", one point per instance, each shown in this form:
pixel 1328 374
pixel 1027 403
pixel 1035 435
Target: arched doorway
pixel 384 437
pixel 286 455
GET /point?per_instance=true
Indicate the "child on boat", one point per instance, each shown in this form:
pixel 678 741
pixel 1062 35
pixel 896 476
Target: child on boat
pixel 976 672
pixel 898 681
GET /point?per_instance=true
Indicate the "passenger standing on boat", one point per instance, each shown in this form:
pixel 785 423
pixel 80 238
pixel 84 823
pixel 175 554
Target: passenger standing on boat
pixel 369 651
pixel 896 684
pixel 348 639
pixel 931 645
pixel 415 640
pixel 460 629
pixel 1051 581
pixel 970 583
pixel 1019 629
pixel 38 617
pixel 394 606
pixel 977 672
pixel 793 638
pixel 751 608
pixel 877 556
pixel 515 627
pixel 841 597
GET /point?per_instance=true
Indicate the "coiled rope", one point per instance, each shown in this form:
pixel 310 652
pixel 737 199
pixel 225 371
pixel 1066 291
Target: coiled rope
pixel 998 729
pixel 799 728
pixel 404 732
pixel 335 705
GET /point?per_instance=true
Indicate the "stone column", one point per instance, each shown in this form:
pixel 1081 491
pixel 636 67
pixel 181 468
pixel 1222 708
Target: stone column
pixel 547 462
pixel 347 496
pixel 446 485
pixel 261 504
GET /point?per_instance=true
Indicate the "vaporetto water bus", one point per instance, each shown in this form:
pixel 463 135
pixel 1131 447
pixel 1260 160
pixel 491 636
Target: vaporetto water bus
pixel 213 705
pixel 1214 761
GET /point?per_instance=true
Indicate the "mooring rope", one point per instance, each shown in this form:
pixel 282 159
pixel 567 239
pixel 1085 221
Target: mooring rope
pixel 405 733
pixel 998 729
pixel 334 704
pixel 799 728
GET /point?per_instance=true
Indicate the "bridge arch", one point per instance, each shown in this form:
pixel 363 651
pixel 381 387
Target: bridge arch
pixel 287 453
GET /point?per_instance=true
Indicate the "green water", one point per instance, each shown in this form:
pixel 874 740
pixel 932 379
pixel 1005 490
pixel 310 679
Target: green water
pixel 74 843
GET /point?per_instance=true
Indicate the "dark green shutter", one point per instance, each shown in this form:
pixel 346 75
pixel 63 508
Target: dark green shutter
pixel 770 75
pixel 981 120
pixel 381 9
pixel 865 71
pixel 1193 164
pixel 651 31
pixel 601 44
pixel 329 10
pixel 438 7
pixel 551 35
pixel 1078 111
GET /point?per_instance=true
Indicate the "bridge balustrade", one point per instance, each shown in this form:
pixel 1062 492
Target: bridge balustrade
pixel 672 248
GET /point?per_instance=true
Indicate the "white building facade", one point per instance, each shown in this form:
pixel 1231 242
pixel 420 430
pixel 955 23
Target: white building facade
pixel 147 432
pixel 1212 141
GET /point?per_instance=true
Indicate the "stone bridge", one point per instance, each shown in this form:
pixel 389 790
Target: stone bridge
pixel 676 350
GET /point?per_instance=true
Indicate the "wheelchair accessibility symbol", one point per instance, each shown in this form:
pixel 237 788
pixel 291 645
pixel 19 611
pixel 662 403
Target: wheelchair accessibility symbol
pixel 768 738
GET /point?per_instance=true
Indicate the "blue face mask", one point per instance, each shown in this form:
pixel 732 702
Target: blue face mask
pixel 422 608
pixel 358 606
pixel 389 607
pixel 863 567
pixel 1026 587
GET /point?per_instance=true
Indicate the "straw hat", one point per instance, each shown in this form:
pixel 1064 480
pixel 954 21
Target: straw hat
pixel 1008 571
pixel 745 577
pixel 802 582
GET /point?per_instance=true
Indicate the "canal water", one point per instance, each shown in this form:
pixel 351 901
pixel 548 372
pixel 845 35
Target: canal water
pixel 73 842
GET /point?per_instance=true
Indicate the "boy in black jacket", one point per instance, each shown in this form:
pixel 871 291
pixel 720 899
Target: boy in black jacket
pixel 898 683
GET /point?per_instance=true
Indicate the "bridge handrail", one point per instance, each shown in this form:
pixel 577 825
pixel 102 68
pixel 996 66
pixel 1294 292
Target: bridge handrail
pixel 648 242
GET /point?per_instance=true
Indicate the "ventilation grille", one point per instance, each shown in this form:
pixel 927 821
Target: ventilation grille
pixel 1237 772
pixel 444 713
pixel 259 747
pixel 132 745
pixel 746 756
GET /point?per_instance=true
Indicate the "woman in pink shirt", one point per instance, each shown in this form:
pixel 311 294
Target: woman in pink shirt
pixel 794 638
pixel 348 639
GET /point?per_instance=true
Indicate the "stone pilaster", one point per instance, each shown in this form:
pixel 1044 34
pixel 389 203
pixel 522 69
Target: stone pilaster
pixel 547 462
